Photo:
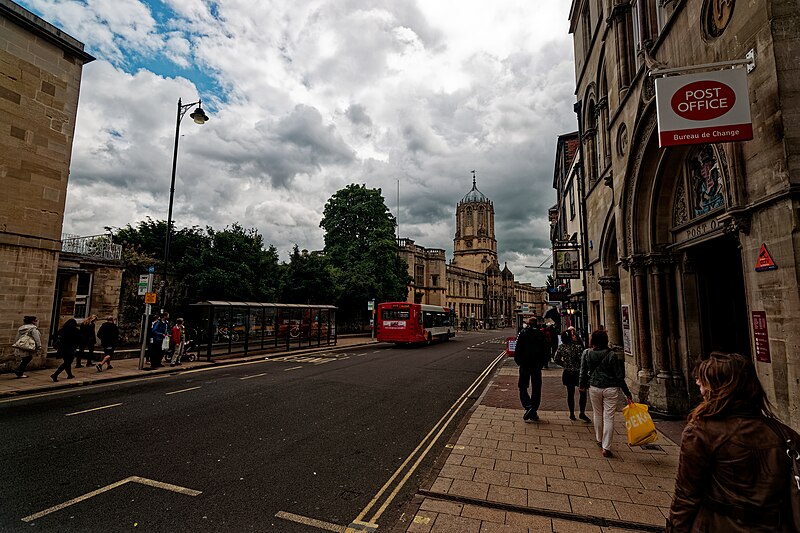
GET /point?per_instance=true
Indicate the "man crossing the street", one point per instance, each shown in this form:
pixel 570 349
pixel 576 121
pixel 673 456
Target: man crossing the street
pixel 531 354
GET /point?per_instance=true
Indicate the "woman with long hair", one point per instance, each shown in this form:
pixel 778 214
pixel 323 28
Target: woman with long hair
pixel 568 356
pixel 733 474
pixel 69 337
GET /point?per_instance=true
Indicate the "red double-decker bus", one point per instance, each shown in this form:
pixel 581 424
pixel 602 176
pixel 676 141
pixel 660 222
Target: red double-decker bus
pixel 404 322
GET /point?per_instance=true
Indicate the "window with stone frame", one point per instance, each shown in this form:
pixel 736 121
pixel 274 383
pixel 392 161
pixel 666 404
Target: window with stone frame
pixel 586 26
pixel 701 189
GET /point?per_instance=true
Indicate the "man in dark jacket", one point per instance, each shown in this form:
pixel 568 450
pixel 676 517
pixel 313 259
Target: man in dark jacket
pixel 531 354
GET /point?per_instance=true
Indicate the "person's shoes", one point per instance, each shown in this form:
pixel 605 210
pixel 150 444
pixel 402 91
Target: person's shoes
pixel 22 375
pixel 572 417
pixel 607 453
pixel 99 368
pixel 178 363
pixel 109 367
pixel 78 365
pixel 583 417
pixel 172 364
pixel 71 376
pixel 530 414
pixel 54 378
pixel 599 444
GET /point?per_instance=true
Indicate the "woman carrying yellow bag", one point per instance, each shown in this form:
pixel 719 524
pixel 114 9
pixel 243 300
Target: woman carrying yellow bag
pixel 604 375
pixel 640 426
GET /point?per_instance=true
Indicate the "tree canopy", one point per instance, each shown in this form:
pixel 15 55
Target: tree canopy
pixel 361 249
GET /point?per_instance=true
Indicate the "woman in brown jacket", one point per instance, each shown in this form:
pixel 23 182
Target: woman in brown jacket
pixel 733 473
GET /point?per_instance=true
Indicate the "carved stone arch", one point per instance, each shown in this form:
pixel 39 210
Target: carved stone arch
pixel 640 166
pixel 589 97
pixel 609 250
pixel 609 280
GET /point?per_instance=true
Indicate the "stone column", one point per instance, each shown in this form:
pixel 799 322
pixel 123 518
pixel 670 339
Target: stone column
pixel 660 319
pixel 642 320
pixel 610 286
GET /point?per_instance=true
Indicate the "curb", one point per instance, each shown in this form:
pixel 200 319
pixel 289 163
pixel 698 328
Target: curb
pixel 166 370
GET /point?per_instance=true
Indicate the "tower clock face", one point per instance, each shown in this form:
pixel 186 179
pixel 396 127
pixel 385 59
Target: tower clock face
pixel 468 242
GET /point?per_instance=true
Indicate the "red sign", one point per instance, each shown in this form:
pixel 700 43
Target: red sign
pixel 760 336
pixel 710 107
pixel 511 346
pixel 703 100
pixel 764 261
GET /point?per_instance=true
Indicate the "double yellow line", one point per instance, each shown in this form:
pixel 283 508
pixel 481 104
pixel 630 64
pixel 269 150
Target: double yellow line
pixel 360 523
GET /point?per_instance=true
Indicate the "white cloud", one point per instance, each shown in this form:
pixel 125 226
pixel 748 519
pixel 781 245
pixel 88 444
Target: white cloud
pixel 316 95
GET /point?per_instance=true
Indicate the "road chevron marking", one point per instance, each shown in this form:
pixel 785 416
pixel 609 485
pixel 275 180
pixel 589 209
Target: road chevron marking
pixel 319 524
pixel 94 409
pixel 182 390
pixel 132 479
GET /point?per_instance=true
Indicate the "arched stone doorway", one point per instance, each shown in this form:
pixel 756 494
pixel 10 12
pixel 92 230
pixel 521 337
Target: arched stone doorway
pixel 686 280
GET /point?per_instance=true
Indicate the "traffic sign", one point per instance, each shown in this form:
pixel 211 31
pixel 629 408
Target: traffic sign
pixel 143 279
pixel 151 269
pixel 150 298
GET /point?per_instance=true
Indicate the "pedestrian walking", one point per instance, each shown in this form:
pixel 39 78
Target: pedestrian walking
pixel 531 354
pixel 30 328
pixel 160 330
pixel 604 375
pixel 734 469
pixel 68 340
pixel 568 356
pixel 177 341
pixel 109 337
pixel 88 341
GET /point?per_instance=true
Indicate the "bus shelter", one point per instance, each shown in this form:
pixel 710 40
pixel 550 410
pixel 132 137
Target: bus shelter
pixel 221 328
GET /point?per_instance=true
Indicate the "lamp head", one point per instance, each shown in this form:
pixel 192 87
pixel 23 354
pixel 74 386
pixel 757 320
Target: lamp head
pixel 198 115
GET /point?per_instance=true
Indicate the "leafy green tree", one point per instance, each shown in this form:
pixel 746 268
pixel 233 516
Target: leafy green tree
pixel 361 248
pixel 309 279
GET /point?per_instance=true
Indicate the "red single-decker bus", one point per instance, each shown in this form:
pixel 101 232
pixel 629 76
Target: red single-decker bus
pixel 404 322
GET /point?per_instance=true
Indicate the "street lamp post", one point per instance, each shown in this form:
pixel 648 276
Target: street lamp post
pixel 199 116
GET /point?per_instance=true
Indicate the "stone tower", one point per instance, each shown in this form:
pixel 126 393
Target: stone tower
pixel 474 246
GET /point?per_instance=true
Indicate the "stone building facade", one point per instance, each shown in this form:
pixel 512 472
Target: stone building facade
pixel 472 284
pixel 678 231
pixel 40 77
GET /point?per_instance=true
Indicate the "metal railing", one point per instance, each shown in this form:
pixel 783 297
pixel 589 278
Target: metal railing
pixel 97 246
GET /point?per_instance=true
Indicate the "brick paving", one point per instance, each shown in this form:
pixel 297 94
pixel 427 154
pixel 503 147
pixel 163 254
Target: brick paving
pixel 503 474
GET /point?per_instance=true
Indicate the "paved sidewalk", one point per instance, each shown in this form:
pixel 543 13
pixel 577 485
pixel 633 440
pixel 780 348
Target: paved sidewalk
pixel 506 475
pixel 124 369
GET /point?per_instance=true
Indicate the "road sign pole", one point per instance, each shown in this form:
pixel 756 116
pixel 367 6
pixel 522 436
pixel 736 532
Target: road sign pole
pixel 145 322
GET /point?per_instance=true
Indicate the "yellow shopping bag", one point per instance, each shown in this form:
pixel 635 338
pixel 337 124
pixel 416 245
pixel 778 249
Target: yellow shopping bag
pixel 640 426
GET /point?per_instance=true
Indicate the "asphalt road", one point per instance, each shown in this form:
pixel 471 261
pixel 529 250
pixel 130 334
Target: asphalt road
pixel 293 444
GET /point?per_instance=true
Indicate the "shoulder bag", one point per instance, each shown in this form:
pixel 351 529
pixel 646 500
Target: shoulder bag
pixel 26 343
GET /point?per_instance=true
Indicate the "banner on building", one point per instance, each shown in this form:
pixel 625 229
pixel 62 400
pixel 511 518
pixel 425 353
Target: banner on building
pixel 710 107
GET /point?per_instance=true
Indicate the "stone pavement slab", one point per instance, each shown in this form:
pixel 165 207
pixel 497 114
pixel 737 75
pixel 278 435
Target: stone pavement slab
pixel 555 478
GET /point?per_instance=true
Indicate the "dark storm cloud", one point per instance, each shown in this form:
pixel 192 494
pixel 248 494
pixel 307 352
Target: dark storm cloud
pixel 358 115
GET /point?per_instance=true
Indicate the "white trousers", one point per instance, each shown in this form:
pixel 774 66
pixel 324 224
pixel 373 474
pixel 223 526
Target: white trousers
pixel 604 406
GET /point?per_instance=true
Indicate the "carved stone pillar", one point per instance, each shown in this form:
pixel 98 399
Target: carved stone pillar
pixel 610 286
pixel 659 318
pixel 642 319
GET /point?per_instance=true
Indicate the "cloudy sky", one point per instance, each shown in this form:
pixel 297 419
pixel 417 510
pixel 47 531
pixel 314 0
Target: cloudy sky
pixel 308 96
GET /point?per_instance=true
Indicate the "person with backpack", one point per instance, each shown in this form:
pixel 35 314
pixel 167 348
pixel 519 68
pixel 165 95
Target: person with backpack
pixel 603 373
pixel 531 354
pixel 28 328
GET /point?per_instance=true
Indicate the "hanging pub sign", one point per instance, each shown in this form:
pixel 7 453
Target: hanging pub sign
pixel 710 107
pixel 567 263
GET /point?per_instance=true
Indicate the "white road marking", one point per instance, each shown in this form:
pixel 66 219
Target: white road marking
pixel 95 409
pixel 132 479
pixel 255 376
pixel 327 526
pixel 293 368
pixel 180 391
